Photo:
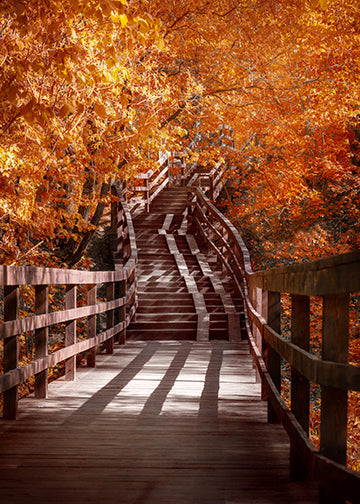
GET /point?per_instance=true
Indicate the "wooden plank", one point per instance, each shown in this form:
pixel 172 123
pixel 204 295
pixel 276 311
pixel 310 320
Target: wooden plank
pixel 16 376
pixel 32 323
pixel 41 339
pixel 11 351
pixel 70 333
pixel 300 386
pixel 227 302
pixel 203 322
pixel 91 326
pixel 193 429
pixel 159 177
pixel 272 357
pixel 335 274
pixel 328 373
pixel 110 317
pixel 32 275
pixel 122 291
pixel 333 428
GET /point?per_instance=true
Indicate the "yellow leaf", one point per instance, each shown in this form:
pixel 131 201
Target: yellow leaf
pixel 122 18
pixel 11 93
pixel 100 110
pixel 323 3
pixel 66 109
pixel 143 26
pixel 80 108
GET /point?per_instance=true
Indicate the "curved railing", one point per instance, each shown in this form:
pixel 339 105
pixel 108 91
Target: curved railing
pixel 105 319
pixel 334 279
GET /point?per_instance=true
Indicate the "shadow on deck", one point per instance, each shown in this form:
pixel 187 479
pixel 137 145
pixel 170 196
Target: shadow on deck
pixel 156 422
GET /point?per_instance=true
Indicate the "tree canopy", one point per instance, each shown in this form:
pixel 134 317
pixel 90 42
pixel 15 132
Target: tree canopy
pixel 90 87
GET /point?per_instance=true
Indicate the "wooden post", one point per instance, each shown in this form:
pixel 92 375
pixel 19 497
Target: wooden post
pixel 110 294
pixel 11 350
pixel 122 311
pixel 300 386
pixel 333 423
pixel 41 340
pixel 272 357
pixel 256 298
pixel 114 221
pixel 147 195
pixel 91 327
pixel 70 333
pixel 211 188
pixel 264 312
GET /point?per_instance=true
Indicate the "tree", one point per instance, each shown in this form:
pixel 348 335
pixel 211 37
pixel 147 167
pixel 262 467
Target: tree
pixel 91 87
pixel 285 75
pixel 80 103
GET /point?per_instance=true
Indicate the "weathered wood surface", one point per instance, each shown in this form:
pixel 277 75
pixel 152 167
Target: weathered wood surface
pixel 334 278
pixel 180 294
pixel 156 422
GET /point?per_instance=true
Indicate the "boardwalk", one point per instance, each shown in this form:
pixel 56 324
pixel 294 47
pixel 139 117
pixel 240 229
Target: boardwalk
pixel 159 423
pixel 174 416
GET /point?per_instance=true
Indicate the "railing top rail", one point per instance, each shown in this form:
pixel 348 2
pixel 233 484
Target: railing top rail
pixel 335 274
pixel 332 278
pixel 340 273
pixel 34 275
pixel 37 275
pixel 127 268
pixel 228 225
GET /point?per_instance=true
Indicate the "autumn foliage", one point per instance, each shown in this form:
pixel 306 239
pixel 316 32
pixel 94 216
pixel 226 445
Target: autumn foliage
pixel 89 89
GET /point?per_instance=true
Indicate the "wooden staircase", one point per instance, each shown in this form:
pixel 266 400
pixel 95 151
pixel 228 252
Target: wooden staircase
pixel 182 294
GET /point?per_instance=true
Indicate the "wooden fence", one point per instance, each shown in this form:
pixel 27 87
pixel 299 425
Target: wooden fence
pixel 210 180
pixel 334 279
pixel 118 288
pixel 154 181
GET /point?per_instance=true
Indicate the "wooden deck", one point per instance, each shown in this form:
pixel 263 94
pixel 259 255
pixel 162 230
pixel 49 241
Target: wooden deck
pixel 158 422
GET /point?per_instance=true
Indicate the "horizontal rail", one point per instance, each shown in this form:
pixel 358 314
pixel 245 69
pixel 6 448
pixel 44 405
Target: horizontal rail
pixel 335 279
pixel 154 181
pixel 32 275
pixel 332 275
pixel 73 286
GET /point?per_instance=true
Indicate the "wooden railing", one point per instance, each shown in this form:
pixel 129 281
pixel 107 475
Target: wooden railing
pixel 210 181
pixel 154 182
pixel 118 288
pixel 334 279
pixel 225 138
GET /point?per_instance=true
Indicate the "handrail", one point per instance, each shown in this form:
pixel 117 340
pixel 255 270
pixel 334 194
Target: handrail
pixel 154 182
pixel 334 279
pixel 118 308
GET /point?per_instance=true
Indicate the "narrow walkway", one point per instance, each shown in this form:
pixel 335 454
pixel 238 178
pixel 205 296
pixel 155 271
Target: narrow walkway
pixel 174 416
pixel 174 422
pixel 180 292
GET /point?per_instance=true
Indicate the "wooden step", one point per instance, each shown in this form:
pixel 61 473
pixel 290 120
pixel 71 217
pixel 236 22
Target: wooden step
pixel 179 310
pixel 161 335
pixel 163 324
pixel 165 316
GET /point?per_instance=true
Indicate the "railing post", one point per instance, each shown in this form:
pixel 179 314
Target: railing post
pixel 11 350
pixel 41 340
pixel 264 311
pixel 211 189
pixel 257 302
pixel 91 327
pixel 70 333
pixel 333 422
pixel 300 386
pixel 147 195
pixel 110 294
pixel 272 357
pixel 122 311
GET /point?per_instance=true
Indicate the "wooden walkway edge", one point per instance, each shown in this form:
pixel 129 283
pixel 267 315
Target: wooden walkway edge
pixel 157 422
